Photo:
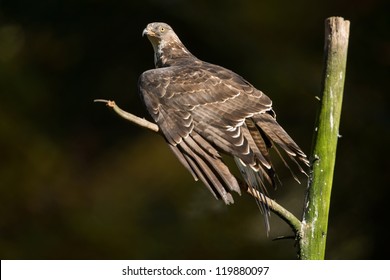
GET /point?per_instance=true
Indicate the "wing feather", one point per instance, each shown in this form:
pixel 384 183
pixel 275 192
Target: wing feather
pixel 205 162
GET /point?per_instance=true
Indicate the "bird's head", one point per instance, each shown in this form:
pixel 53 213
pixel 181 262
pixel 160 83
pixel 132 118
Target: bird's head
pixel 166 44
pixel 158 32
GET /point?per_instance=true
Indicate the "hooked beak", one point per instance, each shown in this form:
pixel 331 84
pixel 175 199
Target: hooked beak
pixel 147 32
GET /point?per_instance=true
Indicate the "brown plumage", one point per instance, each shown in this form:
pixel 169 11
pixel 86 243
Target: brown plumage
pixel 203 109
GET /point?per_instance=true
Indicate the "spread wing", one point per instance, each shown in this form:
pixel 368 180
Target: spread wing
pixel 203 109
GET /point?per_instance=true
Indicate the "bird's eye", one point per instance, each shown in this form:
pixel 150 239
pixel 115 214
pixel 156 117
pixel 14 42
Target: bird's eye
pixel 162 29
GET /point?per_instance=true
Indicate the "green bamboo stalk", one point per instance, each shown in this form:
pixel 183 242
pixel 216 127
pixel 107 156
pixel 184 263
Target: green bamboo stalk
pixel 312 239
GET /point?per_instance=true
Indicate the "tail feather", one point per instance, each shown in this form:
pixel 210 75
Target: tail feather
pixel 253 180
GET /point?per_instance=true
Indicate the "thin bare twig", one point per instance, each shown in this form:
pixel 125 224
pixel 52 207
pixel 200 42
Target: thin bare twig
pixel 279 210
pixel 128 116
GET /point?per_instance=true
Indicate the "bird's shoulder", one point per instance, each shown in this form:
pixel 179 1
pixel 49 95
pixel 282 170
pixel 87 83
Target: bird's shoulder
pixel 196 77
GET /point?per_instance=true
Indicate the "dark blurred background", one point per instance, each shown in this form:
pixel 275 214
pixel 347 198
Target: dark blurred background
pixel 78 182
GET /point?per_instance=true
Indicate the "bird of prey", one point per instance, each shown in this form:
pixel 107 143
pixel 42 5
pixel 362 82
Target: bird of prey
pixel 204 110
